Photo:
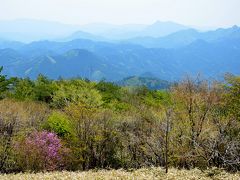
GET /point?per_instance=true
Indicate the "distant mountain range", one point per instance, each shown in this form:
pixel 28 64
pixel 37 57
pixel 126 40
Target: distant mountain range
pixel 27 30
pixel 96 57
pixel 186 37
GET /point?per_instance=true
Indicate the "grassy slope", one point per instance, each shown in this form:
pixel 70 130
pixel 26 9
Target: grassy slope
pixel 141 174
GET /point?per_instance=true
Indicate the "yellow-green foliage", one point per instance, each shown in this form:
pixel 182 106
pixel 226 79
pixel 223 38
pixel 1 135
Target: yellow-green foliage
pixel 76 91
pixel 60 124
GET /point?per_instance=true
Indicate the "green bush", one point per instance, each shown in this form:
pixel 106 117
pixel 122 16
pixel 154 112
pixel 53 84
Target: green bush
pixel 60 124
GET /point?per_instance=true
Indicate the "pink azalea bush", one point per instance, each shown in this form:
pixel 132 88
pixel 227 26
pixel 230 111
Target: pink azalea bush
pixel 42 151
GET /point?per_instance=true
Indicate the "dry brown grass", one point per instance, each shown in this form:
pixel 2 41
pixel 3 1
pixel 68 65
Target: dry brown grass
pixel 141 174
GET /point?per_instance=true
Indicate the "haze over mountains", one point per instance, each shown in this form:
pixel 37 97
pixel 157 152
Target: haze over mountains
pixel 163 50
pixel 27 30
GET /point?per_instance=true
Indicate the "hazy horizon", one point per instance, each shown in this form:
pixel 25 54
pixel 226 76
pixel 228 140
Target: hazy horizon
pixel 202 13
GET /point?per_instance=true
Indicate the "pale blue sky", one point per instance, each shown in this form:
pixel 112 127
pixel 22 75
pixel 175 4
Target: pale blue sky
pixel 210 13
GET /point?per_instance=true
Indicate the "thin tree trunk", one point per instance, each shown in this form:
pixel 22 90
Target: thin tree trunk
pixel 166 143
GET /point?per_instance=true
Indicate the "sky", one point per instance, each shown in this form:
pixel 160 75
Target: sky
pixel 208 13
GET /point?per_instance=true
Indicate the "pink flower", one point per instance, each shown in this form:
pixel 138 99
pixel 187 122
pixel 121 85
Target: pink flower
pixel 47 148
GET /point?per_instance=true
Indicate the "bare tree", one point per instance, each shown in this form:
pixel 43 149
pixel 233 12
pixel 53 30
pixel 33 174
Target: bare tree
pixel 167 130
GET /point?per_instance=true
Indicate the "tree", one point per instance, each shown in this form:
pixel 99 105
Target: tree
pixel 60 124
pixel 167 130
pixel 16 119
pixel 4 83
pixel 109 91
pixel 222 147
pixel 43 89
pixel 74 92
pixel 194 100
pixel 233 95
pixel 24 89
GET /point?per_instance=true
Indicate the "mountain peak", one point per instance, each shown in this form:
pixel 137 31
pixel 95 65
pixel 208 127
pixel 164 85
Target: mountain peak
pixel 158 22
pixel 235 27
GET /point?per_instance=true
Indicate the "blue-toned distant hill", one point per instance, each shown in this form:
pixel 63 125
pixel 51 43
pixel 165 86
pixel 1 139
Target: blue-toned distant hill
pixel 118 32
pixel 186 37
pixel 27 30
pixel 10 44
pixel 83 35
pixel 160 29
pixel 149 82
pixel 211 54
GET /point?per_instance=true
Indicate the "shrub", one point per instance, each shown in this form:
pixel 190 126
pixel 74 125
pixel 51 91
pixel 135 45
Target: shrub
pixel 41 151
pixel 58 123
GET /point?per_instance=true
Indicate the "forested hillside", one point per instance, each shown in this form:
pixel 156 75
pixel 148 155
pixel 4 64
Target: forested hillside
pixel 77 124
pixel 149 82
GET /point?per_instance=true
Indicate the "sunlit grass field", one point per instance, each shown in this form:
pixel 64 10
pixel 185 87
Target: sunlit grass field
pixel 141 174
